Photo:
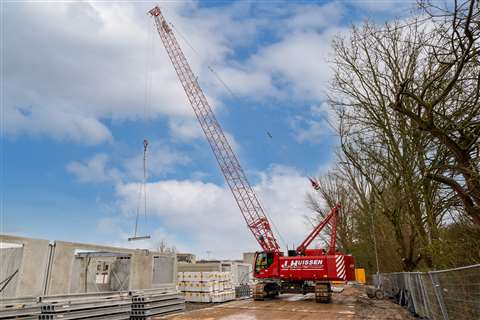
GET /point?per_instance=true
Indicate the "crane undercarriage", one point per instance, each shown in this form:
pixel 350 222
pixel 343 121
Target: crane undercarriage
pixel 272 288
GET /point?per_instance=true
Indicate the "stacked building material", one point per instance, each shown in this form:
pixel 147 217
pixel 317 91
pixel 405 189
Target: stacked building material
pixel 19 308
pixel 156 302
pixel 112 306
pixel 206 286
pixel 243 291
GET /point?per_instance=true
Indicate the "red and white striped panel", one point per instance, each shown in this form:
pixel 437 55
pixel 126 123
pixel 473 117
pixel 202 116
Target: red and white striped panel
pixel 340 264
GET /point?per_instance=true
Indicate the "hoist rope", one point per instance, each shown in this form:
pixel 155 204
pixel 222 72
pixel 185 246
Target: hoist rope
pixel 142 190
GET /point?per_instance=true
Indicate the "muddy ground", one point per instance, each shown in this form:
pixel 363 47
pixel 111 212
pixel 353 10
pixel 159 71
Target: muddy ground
pixel 352 303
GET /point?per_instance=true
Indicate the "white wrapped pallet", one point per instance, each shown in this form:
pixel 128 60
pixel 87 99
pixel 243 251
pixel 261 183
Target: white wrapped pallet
pixel 207 286
pixel 181 286
pixel 192 276
pixel 227 285
pixel 206 297
pixel 208 276
pixel 191 296
pixel 223 296
pixel 212 286
pixel 179 276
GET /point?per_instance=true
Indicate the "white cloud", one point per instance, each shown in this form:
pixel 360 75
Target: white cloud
pixel 161 159
pixel 208 214
pixel 245 80
pixel 300 63
pixel 94 170
pixel 316 17
pixel 185 129
pixel 74 65
pixel 58 123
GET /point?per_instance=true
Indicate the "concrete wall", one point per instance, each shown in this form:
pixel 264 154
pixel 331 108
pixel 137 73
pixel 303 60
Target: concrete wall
pixel 241 272
pixel 164 270
pixel 89 273
pixel 31 276
pixel 11 260
pixel 249 257
pixel 49 268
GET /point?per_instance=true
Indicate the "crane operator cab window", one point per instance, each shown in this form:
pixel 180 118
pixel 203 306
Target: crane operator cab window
pixel 264 260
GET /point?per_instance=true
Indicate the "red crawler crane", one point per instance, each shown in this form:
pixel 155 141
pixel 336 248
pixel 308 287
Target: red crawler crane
pixel 303 270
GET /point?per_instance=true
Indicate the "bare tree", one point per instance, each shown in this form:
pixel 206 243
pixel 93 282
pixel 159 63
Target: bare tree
pixel 442 98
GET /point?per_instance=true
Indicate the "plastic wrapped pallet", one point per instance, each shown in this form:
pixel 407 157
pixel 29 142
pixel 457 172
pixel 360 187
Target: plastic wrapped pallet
pixel 211 286
pixel 223 296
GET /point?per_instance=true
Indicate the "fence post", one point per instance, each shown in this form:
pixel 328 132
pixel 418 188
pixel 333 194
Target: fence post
pixel 438 294
pixel 426 302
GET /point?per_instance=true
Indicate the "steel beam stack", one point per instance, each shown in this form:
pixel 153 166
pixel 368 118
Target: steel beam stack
pixel 155 302
pixel 113 306
pixel 19 308
pixel 243 291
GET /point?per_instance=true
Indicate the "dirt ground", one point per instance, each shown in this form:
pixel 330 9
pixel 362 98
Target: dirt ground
pixel 352 303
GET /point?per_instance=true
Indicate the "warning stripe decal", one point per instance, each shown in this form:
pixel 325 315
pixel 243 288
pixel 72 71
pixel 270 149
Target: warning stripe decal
pixel 340 266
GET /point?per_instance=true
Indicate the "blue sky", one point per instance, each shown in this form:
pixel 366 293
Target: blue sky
pixel 86 82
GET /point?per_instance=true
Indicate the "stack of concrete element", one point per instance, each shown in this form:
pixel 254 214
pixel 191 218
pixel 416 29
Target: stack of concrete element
pixel 242 277
pixel 156 302
pixel 241 273
pixel 112 306
pixel 243 291
pixel 206 286
pixel 19 308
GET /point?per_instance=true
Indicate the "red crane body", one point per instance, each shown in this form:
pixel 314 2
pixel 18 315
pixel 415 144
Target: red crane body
pixel 282 271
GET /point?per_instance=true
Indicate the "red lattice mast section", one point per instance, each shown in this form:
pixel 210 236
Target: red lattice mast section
pixel 234 175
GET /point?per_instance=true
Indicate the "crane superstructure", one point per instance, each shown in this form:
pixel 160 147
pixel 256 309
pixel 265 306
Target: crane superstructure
pixel 303 270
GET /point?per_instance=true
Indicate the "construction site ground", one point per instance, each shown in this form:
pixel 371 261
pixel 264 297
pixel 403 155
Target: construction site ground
pixel 352 303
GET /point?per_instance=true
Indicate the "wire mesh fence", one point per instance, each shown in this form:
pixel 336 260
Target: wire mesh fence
pixel 436 295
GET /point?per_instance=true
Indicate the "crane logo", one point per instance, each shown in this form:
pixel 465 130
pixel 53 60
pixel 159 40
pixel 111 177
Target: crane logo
pixel 303 264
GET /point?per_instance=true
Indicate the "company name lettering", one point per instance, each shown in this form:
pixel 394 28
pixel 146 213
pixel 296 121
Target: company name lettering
pixel 302 263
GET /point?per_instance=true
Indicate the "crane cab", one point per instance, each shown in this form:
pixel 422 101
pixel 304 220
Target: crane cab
pixel 266 264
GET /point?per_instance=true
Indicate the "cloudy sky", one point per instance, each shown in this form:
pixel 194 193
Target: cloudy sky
pixel 85 82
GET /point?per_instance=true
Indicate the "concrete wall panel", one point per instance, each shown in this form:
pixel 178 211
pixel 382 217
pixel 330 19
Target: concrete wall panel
pixel 10 262
pixel 49 268
pixel 164 270
pixel 141 270
pixel 32 270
